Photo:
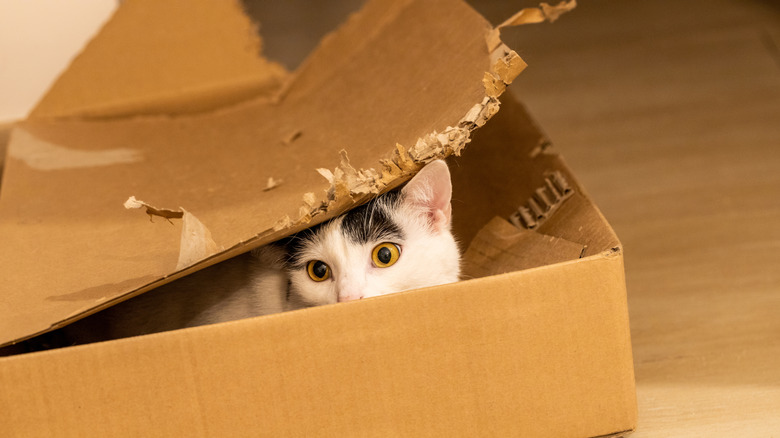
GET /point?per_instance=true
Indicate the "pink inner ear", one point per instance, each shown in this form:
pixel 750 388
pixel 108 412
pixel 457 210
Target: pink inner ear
pixel 431 191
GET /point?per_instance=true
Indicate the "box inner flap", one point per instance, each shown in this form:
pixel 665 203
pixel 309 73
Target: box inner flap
pixel 513 146
pixel 421 77
pixel 182 58
pixel 500 247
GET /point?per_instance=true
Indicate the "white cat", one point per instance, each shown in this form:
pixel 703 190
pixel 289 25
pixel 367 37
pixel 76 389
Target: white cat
pixel 399 241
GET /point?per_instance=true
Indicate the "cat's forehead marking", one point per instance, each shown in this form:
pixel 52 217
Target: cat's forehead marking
pixel 373 221
pixel 367 223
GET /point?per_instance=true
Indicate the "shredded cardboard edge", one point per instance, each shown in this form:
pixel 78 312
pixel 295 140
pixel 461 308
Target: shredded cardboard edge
pixel 540 14
pixel 348 183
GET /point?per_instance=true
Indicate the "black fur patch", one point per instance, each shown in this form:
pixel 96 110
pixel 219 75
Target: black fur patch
pixel 369 222
pixel 295 244
pixel 372 222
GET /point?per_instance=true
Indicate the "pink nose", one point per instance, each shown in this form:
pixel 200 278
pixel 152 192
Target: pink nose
pixel 349 297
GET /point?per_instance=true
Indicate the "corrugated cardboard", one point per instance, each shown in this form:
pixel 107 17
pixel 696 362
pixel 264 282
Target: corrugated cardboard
pixel 535 352
pixel 75 174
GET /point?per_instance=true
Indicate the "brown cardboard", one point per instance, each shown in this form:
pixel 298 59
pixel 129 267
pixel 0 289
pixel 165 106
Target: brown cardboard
pixel 216 63
pixel 504 357
pixel 500 247
pixel 76 174
pixel 536 352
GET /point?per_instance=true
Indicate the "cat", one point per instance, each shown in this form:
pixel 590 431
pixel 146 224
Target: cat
pixel 398 241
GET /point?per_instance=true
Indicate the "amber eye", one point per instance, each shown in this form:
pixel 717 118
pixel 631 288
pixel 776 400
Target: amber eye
pixel 318 270
pixel 385 254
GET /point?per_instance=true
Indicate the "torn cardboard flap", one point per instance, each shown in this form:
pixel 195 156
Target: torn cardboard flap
pixel 544 12
pixel 571 214
pixel 152 211
pixel 499 247
pixel 360 109
pixel 196 242
pixel 506 64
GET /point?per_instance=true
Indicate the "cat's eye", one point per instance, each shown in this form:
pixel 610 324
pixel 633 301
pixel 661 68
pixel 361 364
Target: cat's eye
pixel 385 254
pixel 318 270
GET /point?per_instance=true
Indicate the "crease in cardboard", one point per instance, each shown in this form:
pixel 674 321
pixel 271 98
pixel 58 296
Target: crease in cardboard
pixel 621 434
pixel 97 294
pixel 544 202
pixel 195 101
pixel 44 155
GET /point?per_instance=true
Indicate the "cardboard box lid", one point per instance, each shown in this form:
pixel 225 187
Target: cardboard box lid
pixel 399 84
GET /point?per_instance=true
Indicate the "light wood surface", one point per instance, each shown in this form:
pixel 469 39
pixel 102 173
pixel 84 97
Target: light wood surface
pixel 669 114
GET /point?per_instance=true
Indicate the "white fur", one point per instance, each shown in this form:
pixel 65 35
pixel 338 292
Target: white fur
pixel 429 253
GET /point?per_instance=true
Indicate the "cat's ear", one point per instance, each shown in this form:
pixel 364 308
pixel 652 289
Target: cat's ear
pixel 429 193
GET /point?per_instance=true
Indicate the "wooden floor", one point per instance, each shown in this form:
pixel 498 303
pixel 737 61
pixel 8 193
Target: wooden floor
pixel 669 113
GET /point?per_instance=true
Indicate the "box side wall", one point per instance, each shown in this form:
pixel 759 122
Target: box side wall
pixel 543 352
pixel 510 158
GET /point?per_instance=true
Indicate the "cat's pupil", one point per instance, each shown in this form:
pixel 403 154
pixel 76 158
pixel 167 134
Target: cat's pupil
pixel 320 269
pixel 384 255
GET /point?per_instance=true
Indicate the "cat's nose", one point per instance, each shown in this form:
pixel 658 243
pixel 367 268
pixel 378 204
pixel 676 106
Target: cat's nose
pixel 350 296
pixel 349 287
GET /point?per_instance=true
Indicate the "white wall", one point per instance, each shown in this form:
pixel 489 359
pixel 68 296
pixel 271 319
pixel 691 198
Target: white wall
pixel 38 38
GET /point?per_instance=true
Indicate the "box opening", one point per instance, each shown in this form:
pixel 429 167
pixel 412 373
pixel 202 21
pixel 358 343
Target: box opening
pixel 497 174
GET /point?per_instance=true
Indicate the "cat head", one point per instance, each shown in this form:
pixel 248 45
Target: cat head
pixel 399 241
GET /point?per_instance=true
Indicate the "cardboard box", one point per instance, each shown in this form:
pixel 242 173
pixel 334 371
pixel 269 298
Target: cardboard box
pixel 5 133
pixel 536 344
